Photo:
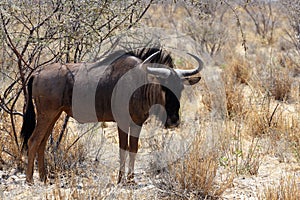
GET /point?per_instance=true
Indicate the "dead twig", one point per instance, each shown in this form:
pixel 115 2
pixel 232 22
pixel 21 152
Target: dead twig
pixel 272 115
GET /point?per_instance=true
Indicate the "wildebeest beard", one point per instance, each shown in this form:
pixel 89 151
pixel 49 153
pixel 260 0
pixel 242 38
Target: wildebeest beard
pixel 172 107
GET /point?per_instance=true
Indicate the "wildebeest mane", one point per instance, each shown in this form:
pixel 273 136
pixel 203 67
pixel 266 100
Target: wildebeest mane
pixel 162 57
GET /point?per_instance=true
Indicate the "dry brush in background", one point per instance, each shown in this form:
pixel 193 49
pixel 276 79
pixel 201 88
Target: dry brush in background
pixel 249 96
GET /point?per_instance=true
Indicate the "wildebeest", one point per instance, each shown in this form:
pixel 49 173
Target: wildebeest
pixel 53 90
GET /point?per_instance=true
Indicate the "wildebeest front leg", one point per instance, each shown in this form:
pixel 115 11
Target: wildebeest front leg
pixel 123 148
pixel 133 148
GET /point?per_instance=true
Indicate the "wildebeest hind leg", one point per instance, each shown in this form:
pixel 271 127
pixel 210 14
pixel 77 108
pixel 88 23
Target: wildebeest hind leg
pixel 44 122
pixel 123 148
pixel 133 148
pixel 41 150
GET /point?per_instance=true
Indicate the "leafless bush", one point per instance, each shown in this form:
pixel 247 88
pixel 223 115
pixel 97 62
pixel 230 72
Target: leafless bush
pixel 277 82
pixel 262 15
pixel 292 10
pixel 35 33
pixel 211 33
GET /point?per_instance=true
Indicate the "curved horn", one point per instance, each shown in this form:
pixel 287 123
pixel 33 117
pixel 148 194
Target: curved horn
pixel 161 72
pixel 150 57
pixel 190 72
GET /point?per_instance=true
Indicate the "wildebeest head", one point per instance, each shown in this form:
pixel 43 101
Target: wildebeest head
pixel 172 81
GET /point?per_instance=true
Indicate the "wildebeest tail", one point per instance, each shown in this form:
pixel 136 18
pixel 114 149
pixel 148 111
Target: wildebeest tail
pixel 28 118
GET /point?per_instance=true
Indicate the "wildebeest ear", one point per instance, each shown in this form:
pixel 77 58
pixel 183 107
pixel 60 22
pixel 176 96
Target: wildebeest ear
pixel 191 80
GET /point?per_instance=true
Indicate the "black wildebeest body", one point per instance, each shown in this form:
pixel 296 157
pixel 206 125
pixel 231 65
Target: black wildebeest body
pixel 79 89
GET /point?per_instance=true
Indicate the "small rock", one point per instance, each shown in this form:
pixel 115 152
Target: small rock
pixel 22 176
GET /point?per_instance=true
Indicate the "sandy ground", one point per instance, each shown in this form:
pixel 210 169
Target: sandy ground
pixel 97 177
pixel 100 177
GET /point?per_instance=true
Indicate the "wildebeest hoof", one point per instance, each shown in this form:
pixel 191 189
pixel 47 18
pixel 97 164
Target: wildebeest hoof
pixel 29 182
pixel 43 179
pixel 130 179
pixel 131 182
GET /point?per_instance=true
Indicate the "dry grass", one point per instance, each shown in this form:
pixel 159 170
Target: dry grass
pixel 237 70
pixel 70 155
pixel 234 99
pixel 280 83
pixel 196 175
pixel 261 99
pixel 287 189
pixel 63 159
pixel 72 186
pixel 294 137
pixel 9 151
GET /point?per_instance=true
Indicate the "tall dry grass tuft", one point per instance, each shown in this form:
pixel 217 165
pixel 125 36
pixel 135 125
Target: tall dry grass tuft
pixel 195 176
pixel 239 153
pixel 280 84
pixel 289 61
pixel 236 75
pixel 10 155
pixel 293 136
pixel 287 189
pixel 234 100
pixel 275 81
pixel 237 70
pixel 68 155
pixel 259 117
